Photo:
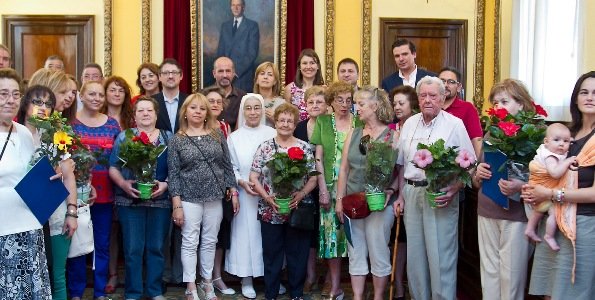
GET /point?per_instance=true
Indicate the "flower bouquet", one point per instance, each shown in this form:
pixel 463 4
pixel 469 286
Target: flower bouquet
pixel 287 174
pixel 518 136
pixel 139 155
pixel 380 161
pixel 442 166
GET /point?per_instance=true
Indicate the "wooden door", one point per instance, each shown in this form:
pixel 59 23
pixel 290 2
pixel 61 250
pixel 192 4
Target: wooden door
pixel 439 43
pixel 32 39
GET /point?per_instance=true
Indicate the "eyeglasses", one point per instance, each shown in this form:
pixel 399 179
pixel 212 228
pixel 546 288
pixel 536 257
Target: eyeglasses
pixel 16 95
pixel 213 101
pixel 449 81
pixel 363 144
pixel 40 103
pixel 93 77
pixel 168 73
pixel 343 102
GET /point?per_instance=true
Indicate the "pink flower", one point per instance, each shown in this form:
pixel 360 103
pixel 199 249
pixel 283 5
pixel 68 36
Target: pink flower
pixel 465 159
pixel 422 158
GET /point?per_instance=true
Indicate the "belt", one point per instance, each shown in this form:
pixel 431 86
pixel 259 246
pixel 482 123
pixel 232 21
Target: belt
pixel 416 183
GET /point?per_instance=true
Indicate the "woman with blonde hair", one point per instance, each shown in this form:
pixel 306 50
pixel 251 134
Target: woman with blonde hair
pixel 371 234
pixel 267 83
pixel 200 171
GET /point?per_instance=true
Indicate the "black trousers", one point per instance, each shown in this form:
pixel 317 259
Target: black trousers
pixel 281 241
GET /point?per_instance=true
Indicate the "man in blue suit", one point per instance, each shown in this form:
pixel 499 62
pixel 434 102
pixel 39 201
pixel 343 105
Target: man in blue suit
pixel 408 73
pixel 239 40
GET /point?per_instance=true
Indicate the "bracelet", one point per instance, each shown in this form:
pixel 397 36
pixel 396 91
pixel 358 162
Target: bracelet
pixel 176 207
pixel 71 214
pixel 560 195
pixel 235 193
pixel 304 193
pixel 71 204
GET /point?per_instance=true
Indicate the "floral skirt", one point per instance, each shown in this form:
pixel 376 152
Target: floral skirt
pixel 332 239
pixel 23 266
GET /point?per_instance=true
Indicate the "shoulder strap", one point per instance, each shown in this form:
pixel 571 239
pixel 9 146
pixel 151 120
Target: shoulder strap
pixel 208 163
pixel 7 139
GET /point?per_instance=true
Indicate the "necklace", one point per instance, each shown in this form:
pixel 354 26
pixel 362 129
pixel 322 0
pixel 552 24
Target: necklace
pixel 335 132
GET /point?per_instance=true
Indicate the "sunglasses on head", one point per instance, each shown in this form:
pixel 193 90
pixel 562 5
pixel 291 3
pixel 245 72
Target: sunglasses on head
pixel 363 144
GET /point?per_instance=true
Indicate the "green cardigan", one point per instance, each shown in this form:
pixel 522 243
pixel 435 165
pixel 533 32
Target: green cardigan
pixel 324 135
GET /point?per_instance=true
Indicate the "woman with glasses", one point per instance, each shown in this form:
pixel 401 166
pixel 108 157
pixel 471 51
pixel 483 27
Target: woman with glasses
pixel 147 80
pixel 23 264
pixel 370 235
pixel 308 74
pixel 217 103
pixel 329 136
pixel 244 258
pixel 279 240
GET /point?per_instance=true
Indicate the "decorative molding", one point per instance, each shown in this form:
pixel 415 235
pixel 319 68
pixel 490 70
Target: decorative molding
pixel 479 54
pixel 283 42
pixel 195 46
pixel 107 38
pixel 497 19
pixel 146 31
pixel 366 40
pixel 329 29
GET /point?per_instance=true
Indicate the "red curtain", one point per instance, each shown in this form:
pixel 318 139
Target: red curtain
pixel 300 33
pixel 176 37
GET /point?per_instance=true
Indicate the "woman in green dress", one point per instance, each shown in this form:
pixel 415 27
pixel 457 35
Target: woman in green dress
pixel 329 136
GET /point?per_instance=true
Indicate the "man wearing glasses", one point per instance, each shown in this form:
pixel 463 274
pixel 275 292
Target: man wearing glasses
pixel 170 99
pixel 460 108
pixel 432 233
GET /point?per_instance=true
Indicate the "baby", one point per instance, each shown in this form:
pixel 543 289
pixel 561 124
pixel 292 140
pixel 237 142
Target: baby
pixel 553 164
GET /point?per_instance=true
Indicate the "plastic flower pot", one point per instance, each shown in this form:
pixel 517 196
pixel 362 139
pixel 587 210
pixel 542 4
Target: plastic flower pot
pixel 145 189
pixel 376 201
pixel 431 197
pixel 82 193
pixel 283 205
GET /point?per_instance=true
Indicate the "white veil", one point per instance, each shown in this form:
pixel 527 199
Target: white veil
pixel 241 119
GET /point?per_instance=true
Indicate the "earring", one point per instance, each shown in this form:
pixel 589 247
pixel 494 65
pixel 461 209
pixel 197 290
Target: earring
pixel 205 120
pixel 185 117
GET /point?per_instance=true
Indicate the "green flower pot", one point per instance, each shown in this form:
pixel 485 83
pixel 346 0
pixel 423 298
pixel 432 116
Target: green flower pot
pixel 283 205
pixel 376 201
pixel 145 189
pixel 431 197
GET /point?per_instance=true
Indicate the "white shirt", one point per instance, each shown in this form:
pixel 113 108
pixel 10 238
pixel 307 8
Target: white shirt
pixel 444 126
pixel 172 109
pixel 239 20
pixel 15 215
pixel 412 76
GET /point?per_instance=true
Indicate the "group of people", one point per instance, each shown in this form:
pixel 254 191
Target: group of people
pixel 214 208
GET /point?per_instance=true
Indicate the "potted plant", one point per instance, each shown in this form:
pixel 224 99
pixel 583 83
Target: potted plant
pixel 139 155
pixel 442 166
pixel 84 162
pixel 287 173
pixel 380 161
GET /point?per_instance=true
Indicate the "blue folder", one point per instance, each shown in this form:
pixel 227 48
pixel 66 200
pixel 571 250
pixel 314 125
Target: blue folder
pixel 490 187
pixel 41 194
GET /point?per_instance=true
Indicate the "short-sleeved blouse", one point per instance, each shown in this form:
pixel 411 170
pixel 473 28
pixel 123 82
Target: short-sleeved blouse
pixel 297 99
pixel 263 154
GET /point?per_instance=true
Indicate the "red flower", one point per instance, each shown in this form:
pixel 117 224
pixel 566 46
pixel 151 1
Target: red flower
pixel 144 138
pixel 539 110
pixel 135 139
pixel 295 153
pixel 500 113
pixel 509 128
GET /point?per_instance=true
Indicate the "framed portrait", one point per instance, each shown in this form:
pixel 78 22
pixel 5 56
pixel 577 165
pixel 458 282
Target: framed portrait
pixel 259 36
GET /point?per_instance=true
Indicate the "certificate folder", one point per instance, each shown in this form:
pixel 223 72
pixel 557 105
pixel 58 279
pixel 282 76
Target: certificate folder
pixel 490 187
pixel 41 194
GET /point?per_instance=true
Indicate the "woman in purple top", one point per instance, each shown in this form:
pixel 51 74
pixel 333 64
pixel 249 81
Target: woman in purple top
pixel 97 131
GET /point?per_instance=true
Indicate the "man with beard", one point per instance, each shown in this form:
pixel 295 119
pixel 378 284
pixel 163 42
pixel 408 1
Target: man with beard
pixel 460 108
pixel 408 73
pixel 224 72
pixel 170 99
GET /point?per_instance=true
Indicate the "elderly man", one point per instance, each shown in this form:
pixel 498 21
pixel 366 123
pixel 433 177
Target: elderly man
pixel 431 233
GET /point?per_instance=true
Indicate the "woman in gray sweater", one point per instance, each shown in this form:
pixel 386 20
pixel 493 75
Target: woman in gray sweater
pixel 199 173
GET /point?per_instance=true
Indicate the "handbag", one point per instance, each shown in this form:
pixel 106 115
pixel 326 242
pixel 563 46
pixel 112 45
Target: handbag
pixel 82 240
pixel 226 203
pixel 304 216
pixel 355 206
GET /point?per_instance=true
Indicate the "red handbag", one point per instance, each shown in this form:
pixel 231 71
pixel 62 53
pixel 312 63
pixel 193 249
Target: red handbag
pixel 355 206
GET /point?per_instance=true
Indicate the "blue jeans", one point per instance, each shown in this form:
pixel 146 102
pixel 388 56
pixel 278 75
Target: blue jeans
pixel 76 269
pixel 144 230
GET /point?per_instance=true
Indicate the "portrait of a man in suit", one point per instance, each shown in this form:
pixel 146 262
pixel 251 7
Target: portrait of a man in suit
pixel 239 39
